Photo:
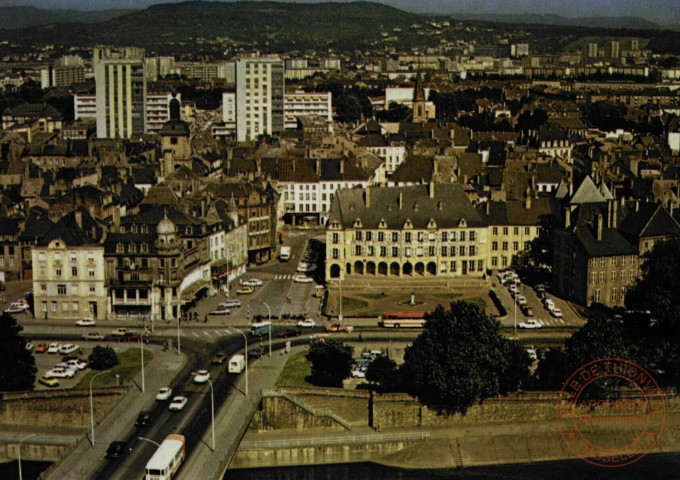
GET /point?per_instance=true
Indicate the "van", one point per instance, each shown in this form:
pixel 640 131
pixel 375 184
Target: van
pixel 285 254
pixel 237 363
pixel 230 304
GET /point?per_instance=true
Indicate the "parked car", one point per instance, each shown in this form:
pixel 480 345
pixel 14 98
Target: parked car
pixel 219 358
pixel 220 311
pixel 86 322
pixel 336 328
pixel 41 348
pixel 230 304
pixel 53 348
pixel 115 450
pixel 69 348
pixel 77 364
pixel 48 381
pixel 202 376
pixel 531 323
pixel 93 336
pixel 289 332
pixel 16 307
pixel 60 372
pixel 358 373
pixel 306 323
pixel 532 354
pixel 143 419
pixel 527 311
pixel 253 282
pixel 521 300
pixel 178 403
pixel 119 332
pixel 556 312
pixel 29 347
pixel 164 394
pixel 302 279
pixel 256 352
pixel 245 291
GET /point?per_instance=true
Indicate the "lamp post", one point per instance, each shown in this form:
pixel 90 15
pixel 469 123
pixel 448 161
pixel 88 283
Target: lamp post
pixel 269 317
pixel 246 355
pixel 515 315
pixel 149 440
pixel 141 353
pixel 19 454
pixel 212 413
pixel 340 315
pixel 179 345
pixel 91 405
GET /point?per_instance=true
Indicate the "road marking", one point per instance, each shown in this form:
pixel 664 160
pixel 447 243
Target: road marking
pixel 206 333
pixel 194 334
pixel 227 331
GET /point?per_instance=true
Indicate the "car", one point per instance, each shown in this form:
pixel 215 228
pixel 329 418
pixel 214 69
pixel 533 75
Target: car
pixel 93 336
pixel 53 348
pixel 556 312
pixel 48 381
pixel 253 282
pixel 289 332
pixel 220 311
pixel 15 308
pixel 86 322
pixel 129 337
pixel 245 291
pixel 521 300
pixel 164 394
pixel 532 354
pixel 178 403
pixel 61 373
pixel 202 376
pixel 336 328
pixel 77 364
pixel 29 347
pixel 306 323
pixel 513 289
pixel 358 373
pixel 115 450
pixel 527 311
pixel 143 419
pixel 119 332
pixel 41 348
pixel 256 352
pixel 531 323
pixel 230 304
pixel 219 358
pixel 539 288
pixel 69 348
pixel 302 279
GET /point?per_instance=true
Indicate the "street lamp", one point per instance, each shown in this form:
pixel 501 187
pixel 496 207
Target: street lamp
pixel 246 355
pixel 515 315
pixel 91 405
pixel 269 317
pixel 340 315
pixel 179 345
pixel 141 352
pixel 212 412
pixel 149 440
pixel 19 454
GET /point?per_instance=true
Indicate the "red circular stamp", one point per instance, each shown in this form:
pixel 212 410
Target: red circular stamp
pixel 611 412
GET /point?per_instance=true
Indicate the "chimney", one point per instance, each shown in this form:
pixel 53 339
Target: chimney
pixel 401 200
pixel 431 189
pixel 116 218
pixel 609 214
pixel 79 218
pixel 368 197
pixel 567 217
pixel 614 214
pixel 342 166
pixel 571 187
pixel 318 166
pixel 600 222
pixel 527 202
pixel 488 206
pixel 637 205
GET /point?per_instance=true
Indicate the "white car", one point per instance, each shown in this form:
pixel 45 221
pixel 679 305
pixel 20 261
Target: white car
pixel 53 348
pixel 30 347
pixel 302 279
pixel 164 394
pixel 178 403
pixel 531 323
pixel 59 372
pixel 556 312
pixel 306 267
pixel 532 354
pixel 220 311
pixel 17 307
pixel 86 322
pixel 230 304
pixel 77 364
pixel 253 282
pixel 202 376
pixel 521 300
pixel 358 373
pixel 307 322
pixel 69 348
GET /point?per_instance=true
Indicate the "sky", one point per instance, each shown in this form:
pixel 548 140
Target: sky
pixel 662 11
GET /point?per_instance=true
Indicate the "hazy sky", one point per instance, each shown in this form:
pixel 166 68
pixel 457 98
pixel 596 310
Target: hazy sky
pixel 663 11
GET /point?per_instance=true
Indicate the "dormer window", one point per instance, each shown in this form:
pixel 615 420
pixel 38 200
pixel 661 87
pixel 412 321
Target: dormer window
pixel 134 229
pixel 462 223
pixel 382 224
pixel 432 223
pixel 357 223
pixel 415 207
pixel 408 224
pixel 120 248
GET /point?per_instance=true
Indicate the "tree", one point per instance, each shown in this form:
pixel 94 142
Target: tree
pixel 460 359
pixel 395 113
pixel 331 362
pixel 18 364
pixel 541 247
pixel 383 372
pixel 102 358
pixel 348 108
pixel 552 371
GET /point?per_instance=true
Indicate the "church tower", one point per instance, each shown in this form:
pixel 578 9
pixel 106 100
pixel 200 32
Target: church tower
pixel 419 101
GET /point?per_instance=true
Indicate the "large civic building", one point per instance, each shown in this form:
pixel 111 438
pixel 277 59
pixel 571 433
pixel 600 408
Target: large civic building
pixel 120 81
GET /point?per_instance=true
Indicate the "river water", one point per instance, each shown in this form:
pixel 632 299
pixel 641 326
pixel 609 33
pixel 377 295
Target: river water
pixel 652 467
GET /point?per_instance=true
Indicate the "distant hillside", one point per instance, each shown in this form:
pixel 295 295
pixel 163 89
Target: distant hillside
pixel 284 24
pixel 592 22
pixel 20 17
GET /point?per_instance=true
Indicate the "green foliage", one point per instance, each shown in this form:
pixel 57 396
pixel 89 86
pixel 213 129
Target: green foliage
pixel 331 362
pixel 18 364
pixel 552 371
pixel 102 358
pixel 541 247
pixel 347 108
pixel 461 358
pixel 383 372
pixel 394 113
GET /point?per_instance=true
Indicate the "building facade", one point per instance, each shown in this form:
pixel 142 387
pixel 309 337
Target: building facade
pixel 303 104
pixel 259 97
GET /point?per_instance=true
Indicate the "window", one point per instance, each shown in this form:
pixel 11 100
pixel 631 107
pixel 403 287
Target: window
pixel 453 267
pixel 494 231
pixel 615 295
pixel 61 289
pixel 494 246
pixel 57 272
pixel 596 297
pixel 335 253
pixel 494 261
pixel 613 261
pixel 480 265
pixel 527 230
pixel 445 237
pixel 421 237
pixel 471 266
pixel 395 237
pixel 75 307
pixel 505 230
pixel 601 277
pixel 336 238
pixel 593 277
pixel 632 275
pixel 43 306
pixel 613 276
pixel 462 236
pixel 452 251
pixel 53 306
pixel 444 251
pixel 472 250
pixel 357 250
pixel 602 261
pixel 407 237
pixel 505 246
pixel 472 236
pixel 453 236
pixel 407 251
pixel 430 251
pixel 369 236
pixel 527 246
pixel 381 236
pixel 370 251
pixel 383 251
pixel 442 267
pixel 461 251
pixel 515 231
pixel 395 251
pixel 515 246
pixel 357 236
pixel 93 289
pixel 623 275
pixel 64 306
pixel 43 287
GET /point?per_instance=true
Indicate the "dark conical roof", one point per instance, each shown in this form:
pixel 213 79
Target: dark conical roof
pixel 419 90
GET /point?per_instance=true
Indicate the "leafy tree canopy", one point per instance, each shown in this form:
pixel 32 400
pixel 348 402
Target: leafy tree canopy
pixel 383 372
pixel 541 247
pixel 102 358
pixel 331 362
pixel 18 364
pixel 460 359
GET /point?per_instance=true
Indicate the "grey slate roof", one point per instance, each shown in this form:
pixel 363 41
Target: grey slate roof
pixel 447 207
pixel 587 192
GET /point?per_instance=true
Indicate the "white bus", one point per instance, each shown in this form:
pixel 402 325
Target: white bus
pixel 163 465
pixel 261 328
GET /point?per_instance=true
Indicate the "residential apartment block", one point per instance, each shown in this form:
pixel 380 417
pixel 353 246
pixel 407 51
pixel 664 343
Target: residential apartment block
pixel 259 97
pixel 302 104
pixel 61 76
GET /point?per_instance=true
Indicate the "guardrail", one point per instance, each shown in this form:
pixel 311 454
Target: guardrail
pixel 336 440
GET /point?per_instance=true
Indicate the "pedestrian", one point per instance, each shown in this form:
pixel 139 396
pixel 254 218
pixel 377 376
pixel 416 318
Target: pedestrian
pixel 205 319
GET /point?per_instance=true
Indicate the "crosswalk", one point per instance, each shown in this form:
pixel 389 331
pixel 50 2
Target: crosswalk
pixel 551 321
pixel 283 277
pixel 207 333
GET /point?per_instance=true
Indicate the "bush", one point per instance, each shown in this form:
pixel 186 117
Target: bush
pixel 102 358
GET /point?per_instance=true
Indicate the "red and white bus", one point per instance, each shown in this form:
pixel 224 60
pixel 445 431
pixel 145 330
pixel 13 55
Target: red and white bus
pixel 163 465
pixel 402 320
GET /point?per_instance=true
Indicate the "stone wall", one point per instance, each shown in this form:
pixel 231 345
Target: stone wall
pixel 279 413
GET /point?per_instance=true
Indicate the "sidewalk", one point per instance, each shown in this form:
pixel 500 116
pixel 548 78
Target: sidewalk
pixel 232 419
pixel 83 461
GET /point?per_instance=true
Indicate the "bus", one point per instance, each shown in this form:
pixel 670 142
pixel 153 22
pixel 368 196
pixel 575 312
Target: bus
pixel 260 328
pixel 402 320
pixel 163 465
